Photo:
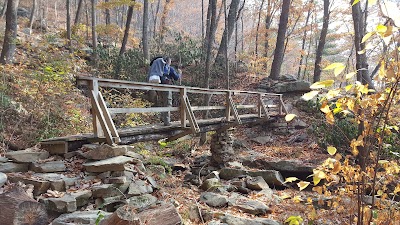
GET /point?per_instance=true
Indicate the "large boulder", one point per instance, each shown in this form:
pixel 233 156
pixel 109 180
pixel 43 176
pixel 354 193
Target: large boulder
pixel 27 155
pixel 3 179
pixel 112 164
pixel 292 86
pixel 10 167
pixel 84 217
pixel 213 199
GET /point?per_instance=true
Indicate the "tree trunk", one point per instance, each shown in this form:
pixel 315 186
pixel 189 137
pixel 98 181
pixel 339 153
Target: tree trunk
pixel 145 36
pixel 32 17
pixel 280 42
pixel 212 11
pixel 108 15
pixel 69 25
pixel 94 33
pixel 228 31
pixel 87 20
pixel 10 34
pixel 3 10
pixel 17 208
pixel 78 12
pixel 155 18
pixel 361 59
pixel 268 22
pixel 303 43
pixel 258 25
pixel 163 25
pixel 321 43
pixel 127 28
pixel 226 50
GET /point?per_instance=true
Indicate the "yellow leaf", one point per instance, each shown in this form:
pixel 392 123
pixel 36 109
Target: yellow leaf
pixel 379 192
pixel 310 95
pixel 333 66
pixel 290 117
pixel 303 184
pixel 348 87
pixel 322 84
pixel 397 189
pixel 336 167
pixel 325 108
pixel 372 2
pixel 297 199
pixel 338 70
pixel 355 2
pixel 290 179
pixel 361 51
pixel 332 93
pixel 380 28
pixel 316 180
pixel 332 150
pixel 367 36
pixel 350 75
pixel 382 161
pixel 319 173
pixel 330 118
pixel 285 196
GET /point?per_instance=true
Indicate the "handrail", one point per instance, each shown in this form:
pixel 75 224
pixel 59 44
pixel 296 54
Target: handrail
pixel 104 126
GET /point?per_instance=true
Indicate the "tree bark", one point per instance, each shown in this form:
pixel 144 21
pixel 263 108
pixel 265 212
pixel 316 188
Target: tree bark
pixel 94 33
pixel 155 18
pixel 3 10
pixel 228 31
pixel 10 35
pixel 32 17
pixel 361 59
pixel 280 43
pixel 303 43
pixel 258 25
pixel 127 28
pixel 108 15
pixel 145 36
pixel 321 43
pixel 17 208
pixel 78 12
pixel 163 25
pixel 268 22
pixel 69 25
pixel 212 14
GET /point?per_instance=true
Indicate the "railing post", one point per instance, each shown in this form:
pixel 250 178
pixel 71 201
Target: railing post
pixel 182 96
pixel 228 106
pixel 97 130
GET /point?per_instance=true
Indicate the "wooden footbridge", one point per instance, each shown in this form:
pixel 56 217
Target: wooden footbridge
pixel 237 107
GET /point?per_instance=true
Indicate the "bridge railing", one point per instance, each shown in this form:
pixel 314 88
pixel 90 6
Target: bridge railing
pixel 235 102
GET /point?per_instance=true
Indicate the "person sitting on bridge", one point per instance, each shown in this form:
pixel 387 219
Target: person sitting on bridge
pixel 167 75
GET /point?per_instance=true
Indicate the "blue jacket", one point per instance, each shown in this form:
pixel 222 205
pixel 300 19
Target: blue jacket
pixel 160 68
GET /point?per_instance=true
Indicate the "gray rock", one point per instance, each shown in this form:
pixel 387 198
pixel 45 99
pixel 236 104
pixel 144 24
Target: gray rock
pixel 214 222
pixel 213 174
pixel 104 151
pixel 10 167
pixel 48 167
pixel 139 187
pixel 235 164
pixel 3 159
pixel 84 217
pixel 256 183
pixel 112 164
pixel 279 165
pixel 82 197
pixel 247 205
pixel 134 155
pixel 292 86
pixel 3 179
pixel 57 181
pixel 299 124
pixel 116 180
pixel 210 184
pixel 23 12
pixel 287 77
pixel 40 186
pixel 230 173
pixel 27 155
pixel 234 220
pixel 142 202
pixel 152 181
pixel 272 177
pixel 213 199
pixel 105 191
pixel 65 204
pixel 263 140
pixel 156 170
